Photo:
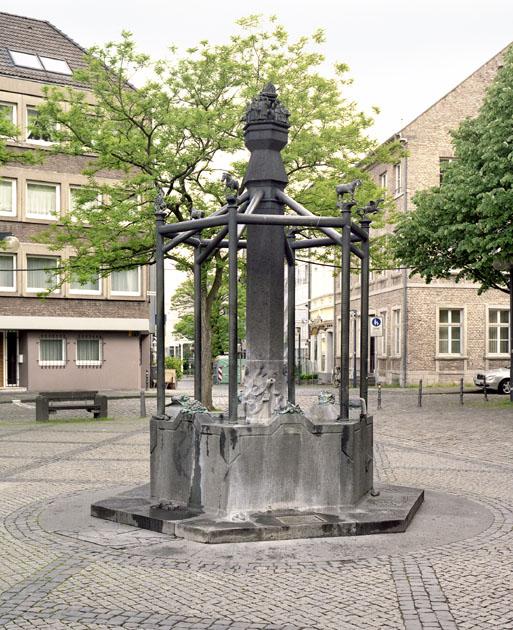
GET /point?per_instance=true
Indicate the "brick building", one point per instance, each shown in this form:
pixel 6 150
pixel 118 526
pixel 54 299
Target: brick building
pixel 92 336
pixel 441 331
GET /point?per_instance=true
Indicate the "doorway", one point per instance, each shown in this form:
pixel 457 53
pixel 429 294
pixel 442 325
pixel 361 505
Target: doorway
pixel 9 358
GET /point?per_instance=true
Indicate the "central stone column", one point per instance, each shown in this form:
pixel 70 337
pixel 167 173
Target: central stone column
pixel 265 134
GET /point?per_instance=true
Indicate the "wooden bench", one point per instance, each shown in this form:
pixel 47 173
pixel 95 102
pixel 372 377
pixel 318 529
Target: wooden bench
pixel 51 402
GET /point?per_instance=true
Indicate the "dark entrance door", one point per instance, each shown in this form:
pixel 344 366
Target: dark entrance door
pixel 12 358
pixel 372 355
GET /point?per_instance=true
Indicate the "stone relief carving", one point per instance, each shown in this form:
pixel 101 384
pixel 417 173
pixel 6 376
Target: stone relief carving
pixel 261 398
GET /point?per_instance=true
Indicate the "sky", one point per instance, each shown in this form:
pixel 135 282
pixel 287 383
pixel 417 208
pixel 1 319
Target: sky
pixel 403 54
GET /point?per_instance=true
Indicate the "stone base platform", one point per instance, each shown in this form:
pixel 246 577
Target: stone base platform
pixel 389 512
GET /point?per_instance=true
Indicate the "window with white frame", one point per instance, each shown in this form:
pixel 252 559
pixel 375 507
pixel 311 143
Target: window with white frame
pixel 382 341
pixel 89 351
pixel 52 351
pixel 396 331
pixel 450 328
pixel 126 282
pixel 34 135
pixel 41 272
pixel 498 331
pixel 398 184
pixel 90 200
pixel 7 272
pixel 43 200
pixel 91 286
pixel 444 161
pixel 8 111
pixel 383 180
pixel 7 197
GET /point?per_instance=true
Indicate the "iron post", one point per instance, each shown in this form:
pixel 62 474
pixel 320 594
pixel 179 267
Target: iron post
pixel 160 219
pixel 364 313
pixel 232 311
pixel 198 290
pixel 345 277
pixel 291 319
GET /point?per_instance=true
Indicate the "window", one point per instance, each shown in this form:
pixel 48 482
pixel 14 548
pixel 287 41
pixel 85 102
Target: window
pixel 41 272
pixel 26 60
pixel 444 161
pixel 449 331
pixel 125 282
pixel 398 184
pixel 55 65
pixel 91 286
pixel 396 331
pixel 36 136
pixel 7 273
pixel 52 351
pixel 43 200
pixel 383 180
pixel 90 199
pixel 7 197
pixel 37 62
pixel 498 331
pixel 89 352
pixel 382 341
pixel 8 112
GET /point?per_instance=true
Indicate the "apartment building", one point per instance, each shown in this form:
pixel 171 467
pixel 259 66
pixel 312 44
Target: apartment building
pixel 85 336
pixel 442 331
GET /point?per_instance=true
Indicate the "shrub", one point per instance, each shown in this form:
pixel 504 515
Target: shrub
pixel 175 363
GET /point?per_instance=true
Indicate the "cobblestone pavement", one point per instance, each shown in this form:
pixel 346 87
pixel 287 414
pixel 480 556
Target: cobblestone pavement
pixel 59 568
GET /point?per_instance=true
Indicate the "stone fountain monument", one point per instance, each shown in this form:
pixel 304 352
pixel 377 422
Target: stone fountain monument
pixel 266 470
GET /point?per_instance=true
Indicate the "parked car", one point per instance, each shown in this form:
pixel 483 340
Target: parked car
pixel 497 380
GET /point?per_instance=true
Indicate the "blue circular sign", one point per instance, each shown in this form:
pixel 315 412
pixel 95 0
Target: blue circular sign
pixel 376 322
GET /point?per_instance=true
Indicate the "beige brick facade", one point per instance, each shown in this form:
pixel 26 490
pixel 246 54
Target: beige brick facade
pixel 413 346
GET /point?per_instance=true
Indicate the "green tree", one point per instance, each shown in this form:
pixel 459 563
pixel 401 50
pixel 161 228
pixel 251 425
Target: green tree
pixel 174 132
pixel 183 302
pixel 461 227
pixel 9 134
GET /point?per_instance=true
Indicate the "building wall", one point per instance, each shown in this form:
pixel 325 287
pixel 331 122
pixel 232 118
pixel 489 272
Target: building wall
pixel 126 354
pixel 124 362
pixel 427 140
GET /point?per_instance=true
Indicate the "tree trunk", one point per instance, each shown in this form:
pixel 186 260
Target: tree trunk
pixel 207 300
pixel 206 352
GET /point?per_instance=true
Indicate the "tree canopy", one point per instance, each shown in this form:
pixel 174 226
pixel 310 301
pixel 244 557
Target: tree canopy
pixel 181 128
pixel 463 226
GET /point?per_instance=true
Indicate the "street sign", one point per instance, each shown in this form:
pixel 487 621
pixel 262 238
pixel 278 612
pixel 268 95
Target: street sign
pixel 376 326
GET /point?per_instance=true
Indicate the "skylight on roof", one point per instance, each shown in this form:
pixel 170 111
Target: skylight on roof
pixel 26 60
pixel 38 62
pixel 55 65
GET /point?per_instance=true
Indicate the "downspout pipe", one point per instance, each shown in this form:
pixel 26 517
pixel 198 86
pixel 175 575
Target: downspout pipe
pixel 404 320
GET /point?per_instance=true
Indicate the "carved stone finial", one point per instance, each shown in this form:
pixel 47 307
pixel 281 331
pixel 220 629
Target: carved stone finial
pixel 267 108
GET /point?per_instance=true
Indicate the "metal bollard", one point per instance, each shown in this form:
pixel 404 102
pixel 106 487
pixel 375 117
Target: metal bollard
pixel 461 391
pixel 485 391
pixel 379 395
pixel 419 402
pixel 142 408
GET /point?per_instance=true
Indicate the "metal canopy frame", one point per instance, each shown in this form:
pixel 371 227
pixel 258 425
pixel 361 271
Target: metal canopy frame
pixel 232 218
